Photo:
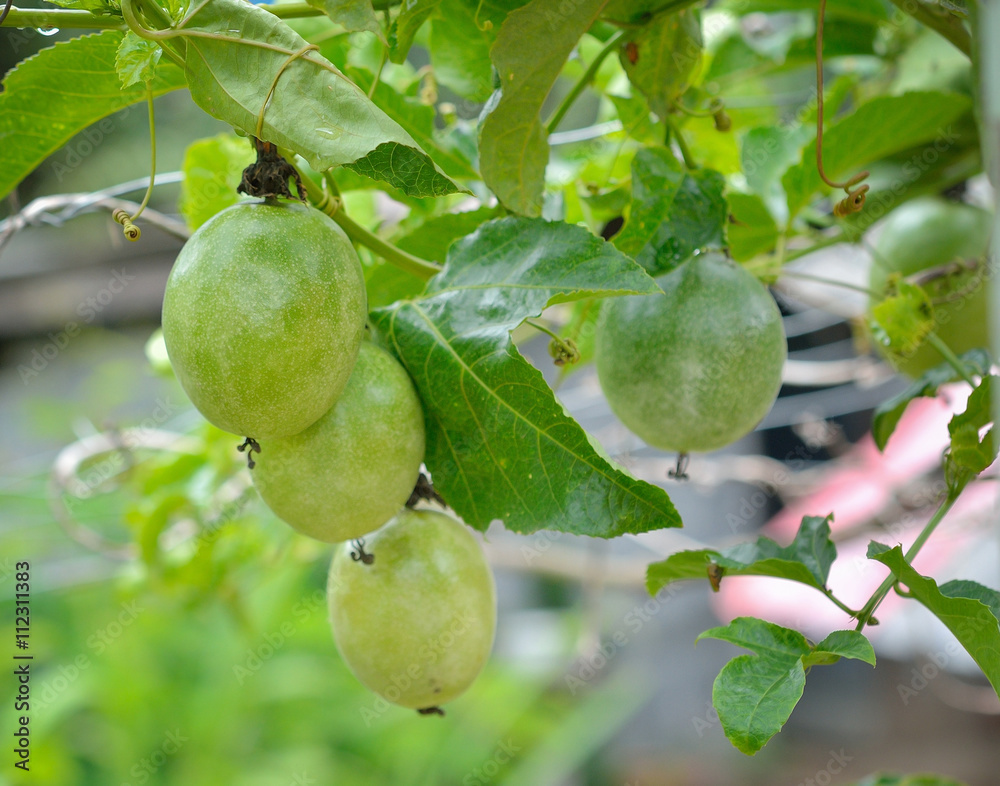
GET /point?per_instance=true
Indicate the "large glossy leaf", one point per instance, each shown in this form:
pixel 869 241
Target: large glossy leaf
pixel 881 127
pixel 966 608
pixel 807 559
pixel 315 110
pixel 755 694
pixel 59 92
pixel 530 51
pixel 499 444
pixel 888 413
pixel 673 212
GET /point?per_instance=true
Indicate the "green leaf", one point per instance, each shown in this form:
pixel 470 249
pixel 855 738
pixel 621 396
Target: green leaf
pixel 842 644
pixel 633 111
pixel 673 211
pixel 763 638
pixel 417 119
pixel 315 110
pixel 881 127
pixel 212 169
pixel 902 321
pixel 767 151
pixel 751 230
pixel 499 444
pixel 661 57
pixel 755 694
pixel 530 51
pixel 412 15
pixel 970 454
pixel 807 559
pixel 888 413
pixel 434 236
pixel 59 92
pixel 136 59
pixel 353 15
pixel 460 47
pixel 972 621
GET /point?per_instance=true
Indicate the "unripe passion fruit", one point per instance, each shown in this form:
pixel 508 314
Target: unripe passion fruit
pixel 930 233
pixel 352 470
pixel 697 367
pixel 262 317
pixel 416 625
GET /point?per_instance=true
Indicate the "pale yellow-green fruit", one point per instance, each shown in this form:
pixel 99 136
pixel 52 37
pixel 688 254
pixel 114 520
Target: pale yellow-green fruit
pixel 263 314
pixel 416 625
pixel 697 367
pixel 352 470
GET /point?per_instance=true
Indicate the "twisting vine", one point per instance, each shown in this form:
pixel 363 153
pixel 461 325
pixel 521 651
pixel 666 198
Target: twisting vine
pixel 855 199
pixel 130 230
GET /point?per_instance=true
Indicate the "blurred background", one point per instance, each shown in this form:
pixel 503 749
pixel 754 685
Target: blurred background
pixel 179 630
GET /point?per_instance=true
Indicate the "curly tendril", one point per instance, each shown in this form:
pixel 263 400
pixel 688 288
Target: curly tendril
pixel 855 199
pixel 484 26
pixel 267 100
pixel 129 229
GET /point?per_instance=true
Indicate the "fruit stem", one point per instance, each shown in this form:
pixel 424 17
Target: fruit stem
pixel 539 326
pixel 953 360
pixel 878 596
pixel 675 132
pixel 582 82
pixel 332 206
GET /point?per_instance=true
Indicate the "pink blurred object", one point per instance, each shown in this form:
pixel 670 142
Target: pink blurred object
pixel 861 485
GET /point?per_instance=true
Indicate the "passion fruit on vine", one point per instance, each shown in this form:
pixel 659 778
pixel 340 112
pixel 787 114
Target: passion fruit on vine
pixel 263 315
pixel 413 609
pixel 352 470
pixel 697 367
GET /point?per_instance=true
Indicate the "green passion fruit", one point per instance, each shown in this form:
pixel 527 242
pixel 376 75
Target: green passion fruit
pixel 925 236
pixel 416 624
pixel 697 367
pixel 353 469
pixel 263 314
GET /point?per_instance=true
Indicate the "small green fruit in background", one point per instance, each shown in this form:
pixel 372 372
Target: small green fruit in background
pixel 928 233
pixel 698 367
pixel 352 470
pixel 263 314
pixel 416 625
